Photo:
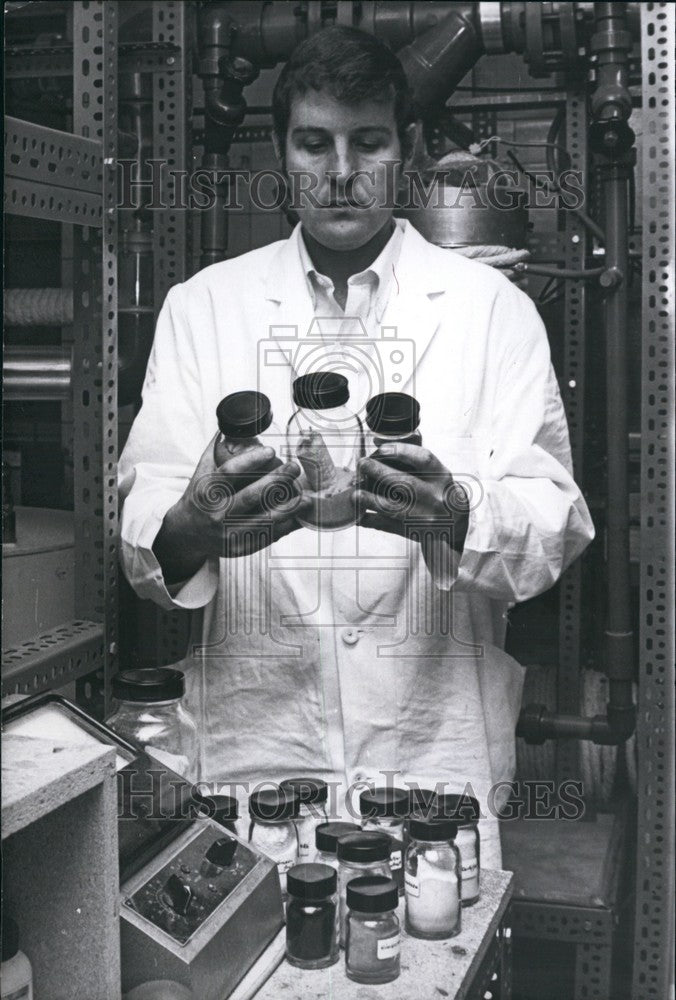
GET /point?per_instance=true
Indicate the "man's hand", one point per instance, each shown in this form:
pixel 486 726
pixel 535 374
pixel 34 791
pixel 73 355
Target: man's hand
pixel 423 501
pixel 238 508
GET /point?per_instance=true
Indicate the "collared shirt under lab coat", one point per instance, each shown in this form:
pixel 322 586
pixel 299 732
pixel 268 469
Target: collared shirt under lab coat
pixel 334 653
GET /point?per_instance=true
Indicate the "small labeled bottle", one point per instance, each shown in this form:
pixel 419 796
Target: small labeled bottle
pixel 433 908
pixel 272 829
pixel 312 916
pixel 312 794
pixel 245 422
pixel 384 810
pixel 326 841
pixel 16 974
pixel 392 418
pixel 373 934
pixel 360 854
pixel 150 712
pixel 327 438
pixel 465 812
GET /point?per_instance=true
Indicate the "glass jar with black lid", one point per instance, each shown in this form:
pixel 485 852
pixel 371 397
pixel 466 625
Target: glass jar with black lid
pixel 312 916
pixel 384 810
pixel 313 794
pixel 393 418
pixel 272 829
pixel 372 945
pixel 245 422
pixel 432 866
pixel 360 854
pixel 465 812
pixel 326 841
pixel 149 711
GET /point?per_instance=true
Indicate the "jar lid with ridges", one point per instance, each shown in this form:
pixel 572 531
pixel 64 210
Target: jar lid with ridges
pixel 385 802
pixel 311 881
pixel 432 829
pixel 393 413
pixel 327 834
pixel 310 790
pixel 364 847
pixel 244 414
pixel 372 894
pixel 150 684
pixel 273 805
pixel 462 809
pixel 320 390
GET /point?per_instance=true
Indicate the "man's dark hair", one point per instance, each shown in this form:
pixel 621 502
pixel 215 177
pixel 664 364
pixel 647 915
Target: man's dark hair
pixel 352 66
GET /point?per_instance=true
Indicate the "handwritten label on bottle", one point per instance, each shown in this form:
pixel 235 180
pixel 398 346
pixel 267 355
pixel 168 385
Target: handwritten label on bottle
pixel 389 947
pixel 283 866
pixel 412 885
pixel 395 860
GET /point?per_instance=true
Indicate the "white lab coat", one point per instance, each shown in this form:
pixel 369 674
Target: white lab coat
pixel 336 654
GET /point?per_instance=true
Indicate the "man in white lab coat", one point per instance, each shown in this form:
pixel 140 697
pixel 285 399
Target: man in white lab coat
pixel 362 655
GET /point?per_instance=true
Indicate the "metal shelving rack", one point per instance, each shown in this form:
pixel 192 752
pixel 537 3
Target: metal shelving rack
pixel 71 179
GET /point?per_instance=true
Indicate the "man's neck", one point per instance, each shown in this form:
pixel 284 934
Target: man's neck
pixel 339 265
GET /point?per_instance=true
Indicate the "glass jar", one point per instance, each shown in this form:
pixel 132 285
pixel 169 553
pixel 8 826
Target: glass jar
pixel 312 794
pixel 327 438
pixel 373 932
pixel 360 854
pixel 150 713
pixel 420 804
pixel 433 906
pixel 465 812
pixel 245 422
pixel 272 829
pixel 393 417
pixel 312 916
pixel 384 810
pixel 326 841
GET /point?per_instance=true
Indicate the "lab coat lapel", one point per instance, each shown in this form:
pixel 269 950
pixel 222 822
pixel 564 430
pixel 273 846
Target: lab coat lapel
pixel 286 290
pixel 413 312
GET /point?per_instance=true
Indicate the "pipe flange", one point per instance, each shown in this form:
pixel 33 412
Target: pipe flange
pixel 490 23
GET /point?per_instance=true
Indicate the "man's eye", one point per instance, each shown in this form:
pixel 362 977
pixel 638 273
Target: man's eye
pixel 314 147
pixel 368 145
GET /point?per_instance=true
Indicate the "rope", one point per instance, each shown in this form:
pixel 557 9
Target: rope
pixel 38 306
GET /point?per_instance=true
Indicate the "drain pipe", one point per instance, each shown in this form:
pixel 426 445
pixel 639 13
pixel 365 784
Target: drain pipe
pixel 612 140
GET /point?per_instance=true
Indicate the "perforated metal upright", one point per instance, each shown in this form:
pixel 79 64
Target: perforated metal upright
pixel 71 178
pixel 654 914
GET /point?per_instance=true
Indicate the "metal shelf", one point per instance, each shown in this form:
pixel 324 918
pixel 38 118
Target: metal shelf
pixel 53 658
pixel 72 178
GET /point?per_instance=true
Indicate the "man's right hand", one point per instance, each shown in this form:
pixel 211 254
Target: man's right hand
pixel 238 508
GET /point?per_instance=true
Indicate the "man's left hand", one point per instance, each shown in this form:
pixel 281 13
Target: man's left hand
pixel 423 500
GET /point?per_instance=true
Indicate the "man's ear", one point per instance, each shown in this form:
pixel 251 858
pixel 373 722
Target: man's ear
pixel 276 145
pixel 412 139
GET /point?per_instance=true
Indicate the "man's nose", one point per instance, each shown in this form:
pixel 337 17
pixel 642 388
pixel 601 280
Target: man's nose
pixel 341 165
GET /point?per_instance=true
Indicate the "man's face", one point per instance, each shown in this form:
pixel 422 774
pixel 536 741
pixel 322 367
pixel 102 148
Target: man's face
pixel 329 143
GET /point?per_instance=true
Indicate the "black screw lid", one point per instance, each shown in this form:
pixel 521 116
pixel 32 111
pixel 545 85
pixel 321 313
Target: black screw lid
pixel 393 413
pixel 432 829
pixel 320 390
pixel 327 834
pixel 10 938
pixel 311 881
pixel 463 809
pixel 372 894
pixel 222 808
pixel 309 789
pixel 150 684
pixel 388 802
pixel 244 414
pixel 363 847
pixel 273 805
pixel 420 802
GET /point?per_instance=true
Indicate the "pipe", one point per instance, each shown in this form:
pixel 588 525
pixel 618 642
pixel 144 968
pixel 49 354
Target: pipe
pixel 36 373
pixel 612 140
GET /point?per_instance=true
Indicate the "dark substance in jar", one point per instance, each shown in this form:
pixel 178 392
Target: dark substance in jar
pixel 310 929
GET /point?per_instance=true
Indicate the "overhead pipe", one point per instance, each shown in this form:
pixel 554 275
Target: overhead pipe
pixel 31 373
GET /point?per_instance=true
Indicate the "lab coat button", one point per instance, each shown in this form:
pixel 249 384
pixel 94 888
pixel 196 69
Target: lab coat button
pixel 350 636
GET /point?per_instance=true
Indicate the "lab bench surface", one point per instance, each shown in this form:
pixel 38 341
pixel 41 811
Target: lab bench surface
pixel 430 970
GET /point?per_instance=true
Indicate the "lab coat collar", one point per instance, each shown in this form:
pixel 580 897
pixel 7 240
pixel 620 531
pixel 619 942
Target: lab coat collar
pixel 410 315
